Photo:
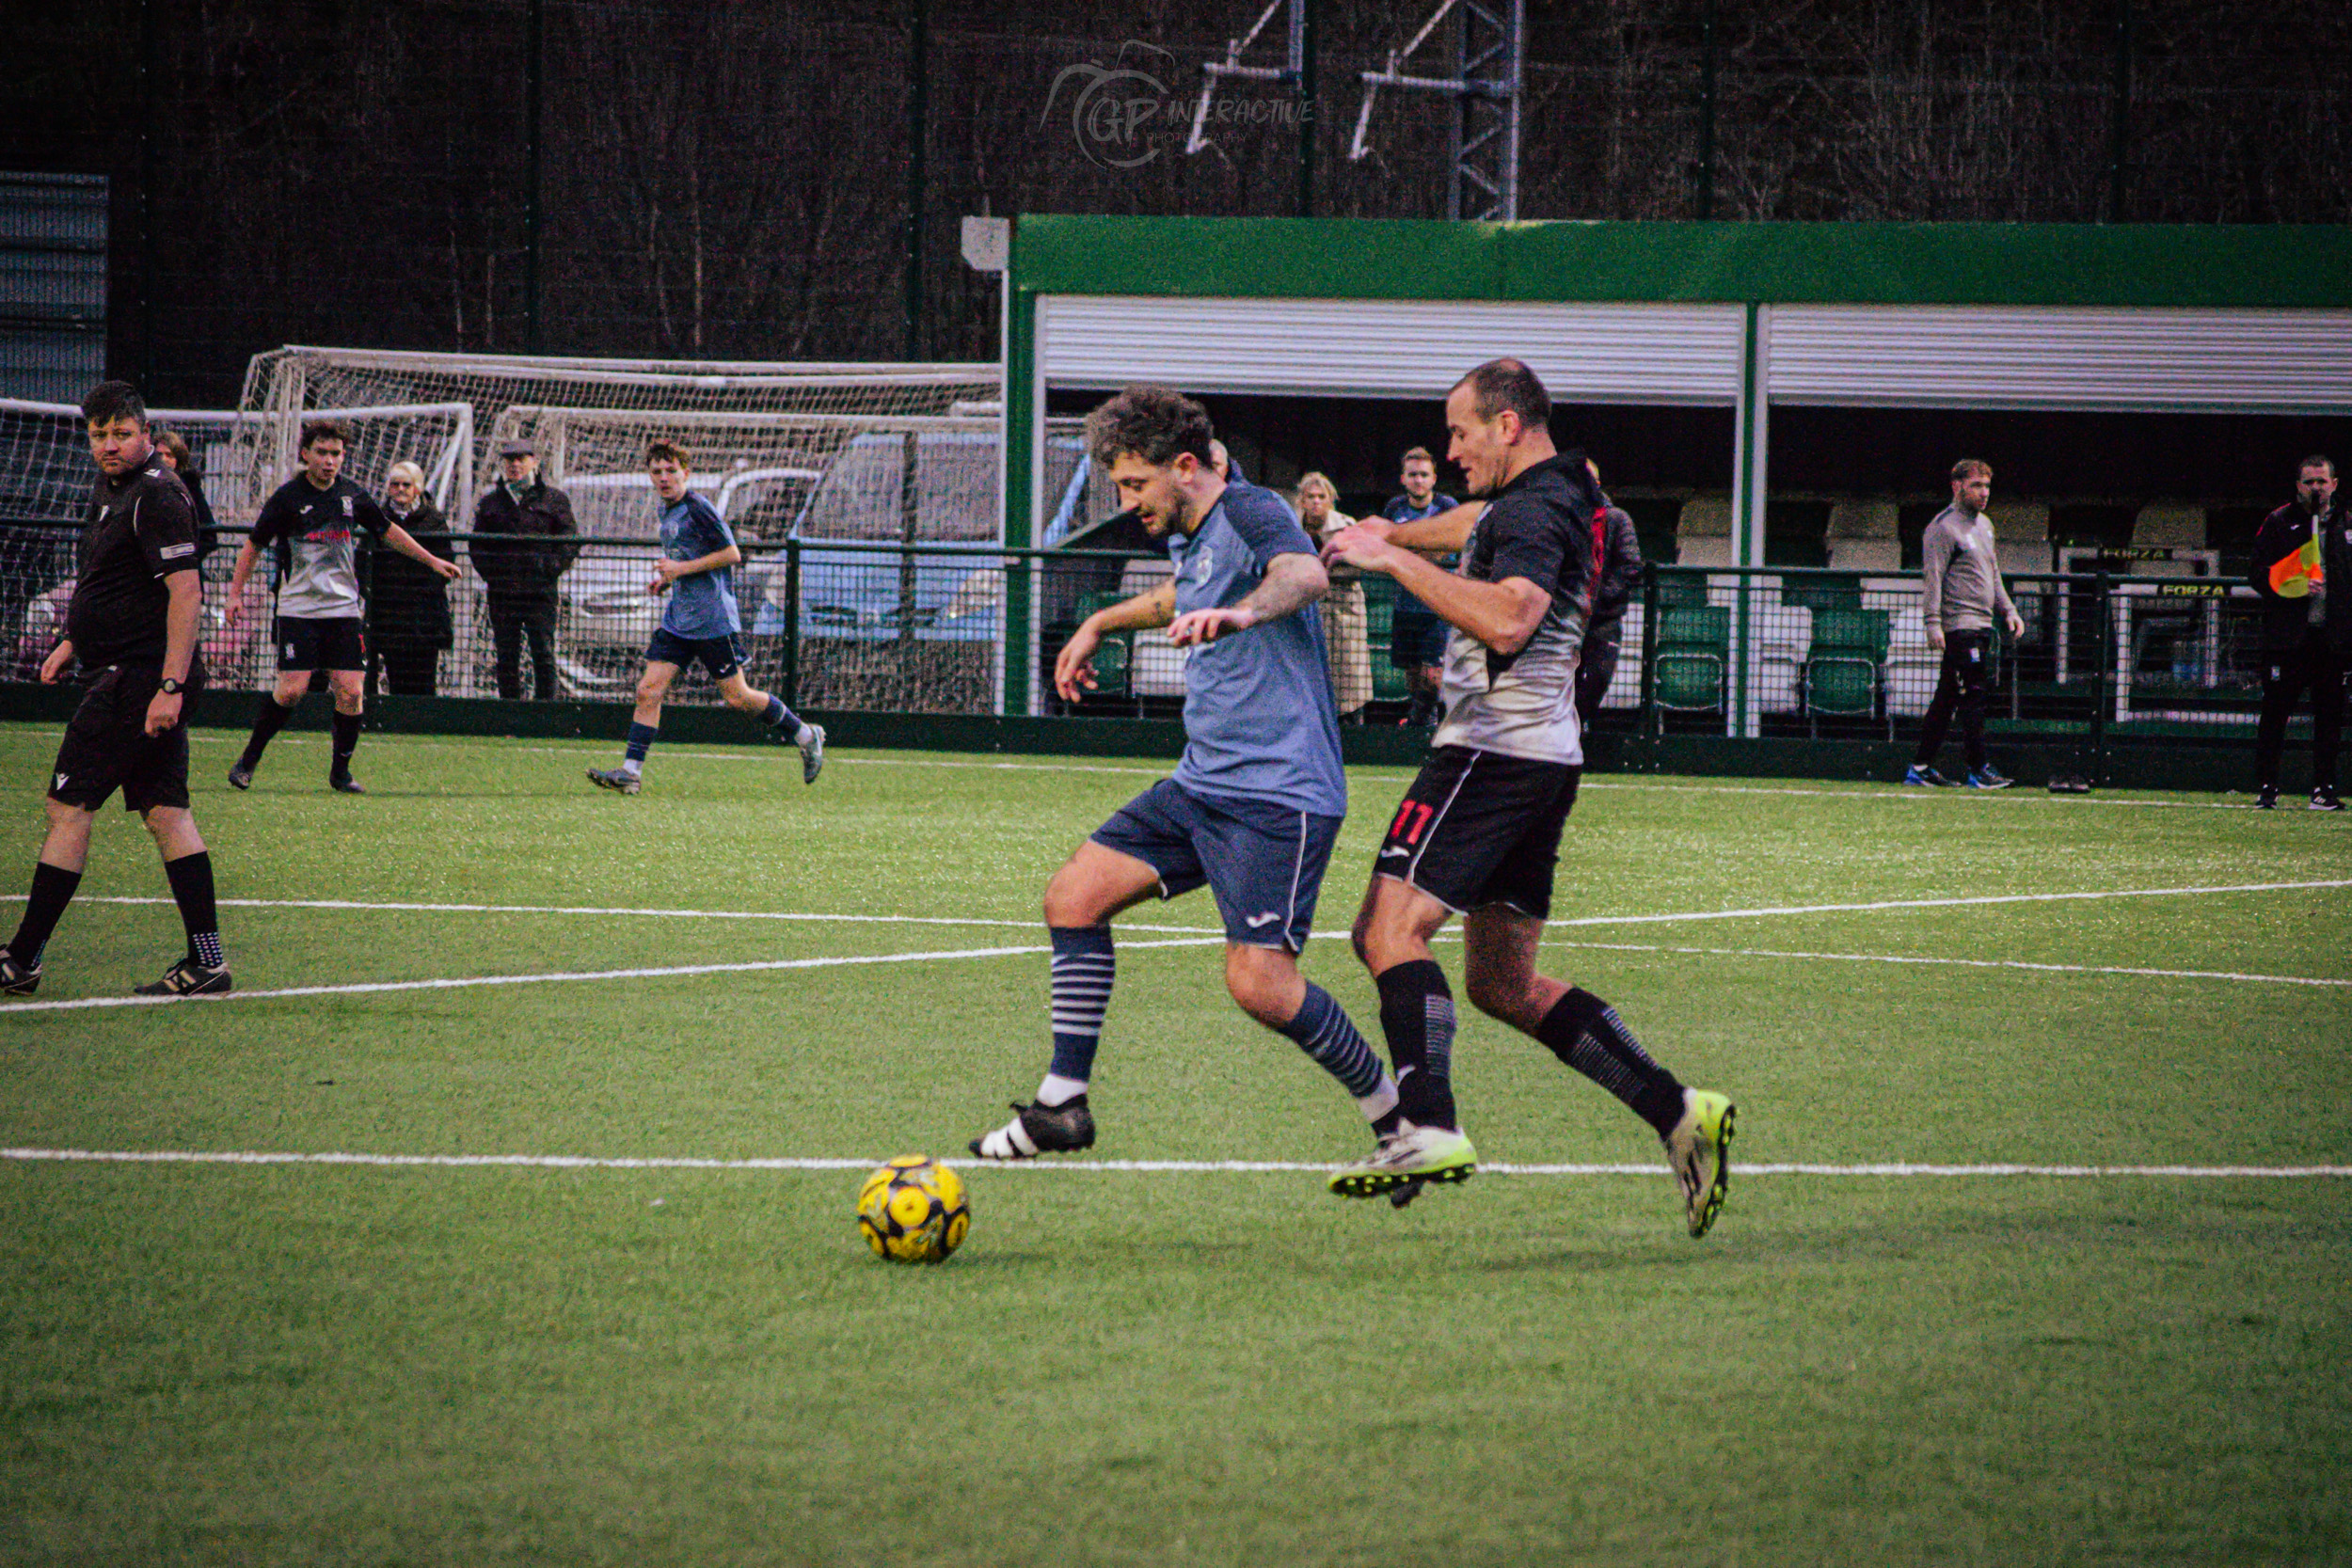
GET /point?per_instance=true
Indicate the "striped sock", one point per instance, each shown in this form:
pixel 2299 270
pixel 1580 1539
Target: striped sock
pixel 1084 964
pixel 1586 1033
pixel 782 718
pixel 1323 1030
pixel 641 739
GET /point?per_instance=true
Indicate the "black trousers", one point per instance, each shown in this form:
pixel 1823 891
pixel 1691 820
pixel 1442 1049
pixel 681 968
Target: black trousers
pixel 1962 690
pixel 1595 669
pixel 406 669
pixel 2287 673
pixel 510 626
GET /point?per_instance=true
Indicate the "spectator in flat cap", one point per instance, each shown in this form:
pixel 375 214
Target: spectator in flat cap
pixel 524 541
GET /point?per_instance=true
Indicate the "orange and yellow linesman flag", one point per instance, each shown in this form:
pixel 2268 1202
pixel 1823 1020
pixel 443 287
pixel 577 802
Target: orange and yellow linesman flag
pixel 2292 575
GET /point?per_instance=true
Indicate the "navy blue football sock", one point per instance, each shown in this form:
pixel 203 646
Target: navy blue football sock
pixel 1084 964
pixel 1324 1031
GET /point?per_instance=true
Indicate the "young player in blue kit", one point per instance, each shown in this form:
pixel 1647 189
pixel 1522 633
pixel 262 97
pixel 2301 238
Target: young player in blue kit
pixel 1256 802
pixel 697 570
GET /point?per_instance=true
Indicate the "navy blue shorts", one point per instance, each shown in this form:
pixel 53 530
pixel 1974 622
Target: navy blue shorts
pixel 722 655
pixel 1263 864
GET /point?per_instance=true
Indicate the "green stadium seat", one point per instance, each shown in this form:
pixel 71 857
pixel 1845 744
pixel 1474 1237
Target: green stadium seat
pixel 1820 594
pixel 1693 652
pixel 1845 669
pixel 1388 683
pixel 1115 659
pixel 1681 590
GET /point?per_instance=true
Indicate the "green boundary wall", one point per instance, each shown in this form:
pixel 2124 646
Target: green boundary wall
pixel 2122 762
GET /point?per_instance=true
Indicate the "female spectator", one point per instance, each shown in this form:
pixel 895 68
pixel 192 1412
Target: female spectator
pixel 1344 620
pixel 173 450
pixel 409 622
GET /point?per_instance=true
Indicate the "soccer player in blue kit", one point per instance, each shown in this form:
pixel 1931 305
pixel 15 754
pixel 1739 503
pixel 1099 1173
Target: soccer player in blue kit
pixel 1256 802
pixel 697 569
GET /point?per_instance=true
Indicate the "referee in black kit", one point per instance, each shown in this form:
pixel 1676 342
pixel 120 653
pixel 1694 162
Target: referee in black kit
pixel 133 627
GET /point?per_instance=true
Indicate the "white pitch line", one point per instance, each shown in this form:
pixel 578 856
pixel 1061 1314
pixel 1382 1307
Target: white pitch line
pixel 1201 930
pixel 1963 963
pixel 1154 1167
pixel 464 982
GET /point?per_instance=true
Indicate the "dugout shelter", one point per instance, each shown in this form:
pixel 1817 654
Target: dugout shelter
pixel 1736 316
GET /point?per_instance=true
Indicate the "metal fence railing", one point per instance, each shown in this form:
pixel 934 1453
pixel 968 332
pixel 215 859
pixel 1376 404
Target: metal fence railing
pixel 974 629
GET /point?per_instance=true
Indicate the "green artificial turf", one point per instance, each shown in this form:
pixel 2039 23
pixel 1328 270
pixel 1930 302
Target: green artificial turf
pixel 475 1363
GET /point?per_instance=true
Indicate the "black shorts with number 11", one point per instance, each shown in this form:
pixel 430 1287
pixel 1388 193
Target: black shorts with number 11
pixel 1478 827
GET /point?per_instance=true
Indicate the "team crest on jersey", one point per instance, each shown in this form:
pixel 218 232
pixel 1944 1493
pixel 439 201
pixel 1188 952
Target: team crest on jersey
pixel 346 506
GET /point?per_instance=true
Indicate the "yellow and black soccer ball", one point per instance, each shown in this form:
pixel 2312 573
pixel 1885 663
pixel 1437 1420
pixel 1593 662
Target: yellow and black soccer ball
pixel 914 1211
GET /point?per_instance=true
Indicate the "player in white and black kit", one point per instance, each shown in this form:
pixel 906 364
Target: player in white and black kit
pixel 313 521
pixel 133 627
pixel 1478 833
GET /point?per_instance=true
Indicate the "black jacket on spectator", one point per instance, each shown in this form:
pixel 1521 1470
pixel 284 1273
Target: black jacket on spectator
pixel 407 601
pixel 2286 622
pixel 207 530
pixel 1620 574
pixel 524 571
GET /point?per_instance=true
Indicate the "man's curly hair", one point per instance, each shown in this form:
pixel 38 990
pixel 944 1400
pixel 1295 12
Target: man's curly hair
pixel 1156 424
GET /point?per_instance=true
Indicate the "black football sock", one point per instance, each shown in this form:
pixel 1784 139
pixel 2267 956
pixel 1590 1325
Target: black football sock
pixel 266 724
pixel 1417 1016
pixel 347 742
pixel 191 878
pixel 1586 1033
pixel 53 890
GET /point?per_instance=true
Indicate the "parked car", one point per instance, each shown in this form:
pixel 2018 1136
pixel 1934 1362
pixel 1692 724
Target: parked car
pixel 227 650
pixel 604 616
pixel 879 595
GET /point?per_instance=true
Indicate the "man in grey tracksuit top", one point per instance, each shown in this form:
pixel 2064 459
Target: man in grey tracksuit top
pixel 1963 591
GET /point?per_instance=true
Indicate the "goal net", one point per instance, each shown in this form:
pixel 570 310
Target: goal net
pixel 46 470
pixel 296 378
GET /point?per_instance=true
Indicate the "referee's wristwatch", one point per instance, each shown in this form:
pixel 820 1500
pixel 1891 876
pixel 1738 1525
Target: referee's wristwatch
pixel 170 687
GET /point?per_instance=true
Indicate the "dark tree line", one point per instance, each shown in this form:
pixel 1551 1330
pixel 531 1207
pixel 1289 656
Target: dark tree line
pixel 733 182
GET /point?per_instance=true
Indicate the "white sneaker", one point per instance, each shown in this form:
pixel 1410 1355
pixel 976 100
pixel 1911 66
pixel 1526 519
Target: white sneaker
pixel 1410 1154
pixel 813 754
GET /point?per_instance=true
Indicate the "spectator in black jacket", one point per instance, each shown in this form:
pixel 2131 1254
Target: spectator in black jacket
pixel 176 456
pixel 2301 551
pixel 1620 574
pixel 409 622
pixel 520 572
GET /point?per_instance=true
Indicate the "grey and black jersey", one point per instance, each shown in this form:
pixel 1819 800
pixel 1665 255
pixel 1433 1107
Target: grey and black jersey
pixel 316 534
pixel 1547 527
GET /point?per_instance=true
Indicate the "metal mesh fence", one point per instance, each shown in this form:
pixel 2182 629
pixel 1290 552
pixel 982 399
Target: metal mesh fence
pixel 971 628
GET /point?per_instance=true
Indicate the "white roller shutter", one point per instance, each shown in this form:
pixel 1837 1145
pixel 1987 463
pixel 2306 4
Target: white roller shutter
pixel 2027 356
pixel 1646 354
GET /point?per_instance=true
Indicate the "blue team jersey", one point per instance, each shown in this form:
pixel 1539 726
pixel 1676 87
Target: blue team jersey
pixel 703 605
pixel 1258 723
